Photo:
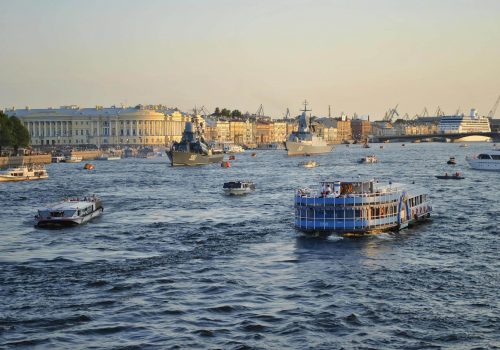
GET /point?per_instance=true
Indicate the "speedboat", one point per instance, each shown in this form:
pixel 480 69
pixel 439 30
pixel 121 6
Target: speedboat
pixel 464 145
pixel 488 160
pixel 69 212
pixel 238 187
pixel 360 206
pixel 108 156
pixel 369 159
pixel 455 176
pixel 72 159
pixel 309 164
pixel 452 161
pixel 232 148
pixel 25 173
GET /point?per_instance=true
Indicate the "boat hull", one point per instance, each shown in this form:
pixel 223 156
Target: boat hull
pixel 4 178
pixel 67 222
pixel 484 164
pixel 237 191
pixel 300 149
pixel 190 159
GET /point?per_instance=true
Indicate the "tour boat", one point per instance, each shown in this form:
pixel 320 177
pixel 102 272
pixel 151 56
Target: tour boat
pixel 452 161
pixel 70 212
pixel 369 159
pixel 24 173
pixel 360 206
pixel 72 159
pixel 238 187
pixel 488 160
pixel 309 164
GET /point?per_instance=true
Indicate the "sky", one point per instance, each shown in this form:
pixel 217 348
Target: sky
pixel 358 56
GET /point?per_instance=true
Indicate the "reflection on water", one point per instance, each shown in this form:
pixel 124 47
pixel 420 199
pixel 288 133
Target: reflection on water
pixel 175 263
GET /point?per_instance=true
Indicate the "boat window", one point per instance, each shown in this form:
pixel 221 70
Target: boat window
pixel 495 156
pixel 484 156
pixel 69 213
pixel 57 214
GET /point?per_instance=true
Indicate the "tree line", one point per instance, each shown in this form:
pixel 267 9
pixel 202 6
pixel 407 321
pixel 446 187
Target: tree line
pixel 12 133
pixel 226 113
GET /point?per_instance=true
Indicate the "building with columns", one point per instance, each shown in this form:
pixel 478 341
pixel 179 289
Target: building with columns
pixel 74 126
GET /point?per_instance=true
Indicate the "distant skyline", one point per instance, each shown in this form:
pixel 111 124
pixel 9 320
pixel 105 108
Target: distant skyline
pixel 359 56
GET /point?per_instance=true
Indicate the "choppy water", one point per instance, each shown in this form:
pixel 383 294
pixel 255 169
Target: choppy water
pixel 173 263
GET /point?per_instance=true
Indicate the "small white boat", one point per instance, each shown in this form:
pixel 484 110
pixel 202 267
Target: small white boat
pixel 464 145
pixel 488 160
pixel 70 212
pixel 369 159
pixel 72 159
pixel 106 156
pixel 230 148
pixel 57 159
pixel 309 164
pixel 238 187
pixel 25 173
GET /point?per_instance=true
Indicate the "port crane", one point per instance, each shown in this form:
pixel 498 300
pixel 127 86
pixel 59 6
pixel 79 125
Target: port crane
pixel 260 112
pixel 391 113
pixel 493 110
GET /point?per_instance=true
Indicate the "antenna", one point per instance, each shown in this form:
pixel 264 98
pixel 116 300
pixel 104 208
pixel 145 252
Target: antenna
pixel 305 103
pixel 329 112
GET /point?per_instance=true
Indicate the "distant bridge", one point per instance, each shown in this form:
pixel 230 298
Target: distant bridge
pixel 495 136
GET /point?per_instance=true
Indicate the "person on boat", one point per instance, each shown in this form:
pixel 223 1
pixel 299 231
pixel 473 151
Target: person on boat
pixel 446 174
pixel 457 174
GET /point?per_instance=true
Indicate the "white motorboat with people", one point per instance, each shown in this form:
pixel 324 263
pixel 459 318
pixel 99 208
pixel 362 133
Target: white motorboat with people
pixel 309 164
pixel 488 160
pixel 369 159
pixel 238 187
pixel 24 173
pixel 70 212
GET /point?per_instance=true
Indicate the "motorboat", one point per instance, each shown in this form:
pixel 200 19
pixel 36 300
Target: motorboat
pixel 488 160
pixel 69 212
pixel 360 206
pixel 455 176
pixel 108 156
pixel 309 164
pixel 238 187
pixel 452 161
pixel 368 159
pixel 57 159
pixel 225 164
pixel 24 173
pixel 232 148
pixel 464 145
pixel 72 159
pixel 88 166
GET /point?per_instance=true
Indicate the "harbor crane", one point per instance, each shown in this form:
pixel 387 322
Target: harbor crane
pixel 260 112
pixel 439 112
pixel 493 110
pixel 391 113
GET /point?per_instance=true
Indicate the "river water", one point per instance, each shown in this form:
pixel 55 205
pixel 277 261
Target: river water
pixel 173 263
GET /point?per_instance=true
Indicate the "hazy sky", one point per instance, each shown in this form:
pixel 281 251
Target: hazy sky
pixel 357 56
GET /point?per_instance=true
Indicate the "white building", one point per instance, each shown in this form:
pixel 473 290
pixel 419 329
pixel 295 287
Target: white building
pixel 71 125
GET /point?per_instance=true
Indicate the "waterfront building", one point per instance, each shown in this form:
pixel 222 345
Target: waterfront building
pixel 344 129
pixel 99 126
pixel 361 128
pixel 241 132
pixel 327 129
pixel 263 132
pixel 279 131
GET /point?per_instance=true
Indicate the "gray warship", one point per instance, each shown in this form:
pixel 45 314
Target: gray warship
pixel 192 149
pixel 304 141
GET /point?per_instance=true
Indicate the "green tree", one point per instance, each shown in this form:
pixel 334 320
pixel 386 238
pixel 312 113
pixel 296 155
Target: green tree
pixel 21 136
pixel 236 114
pixel 6 136
pixel 217 112
pixel 225 112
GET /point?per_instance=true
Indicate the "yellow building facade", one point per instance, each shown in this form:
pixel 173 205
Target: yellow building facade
pixel 74 126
